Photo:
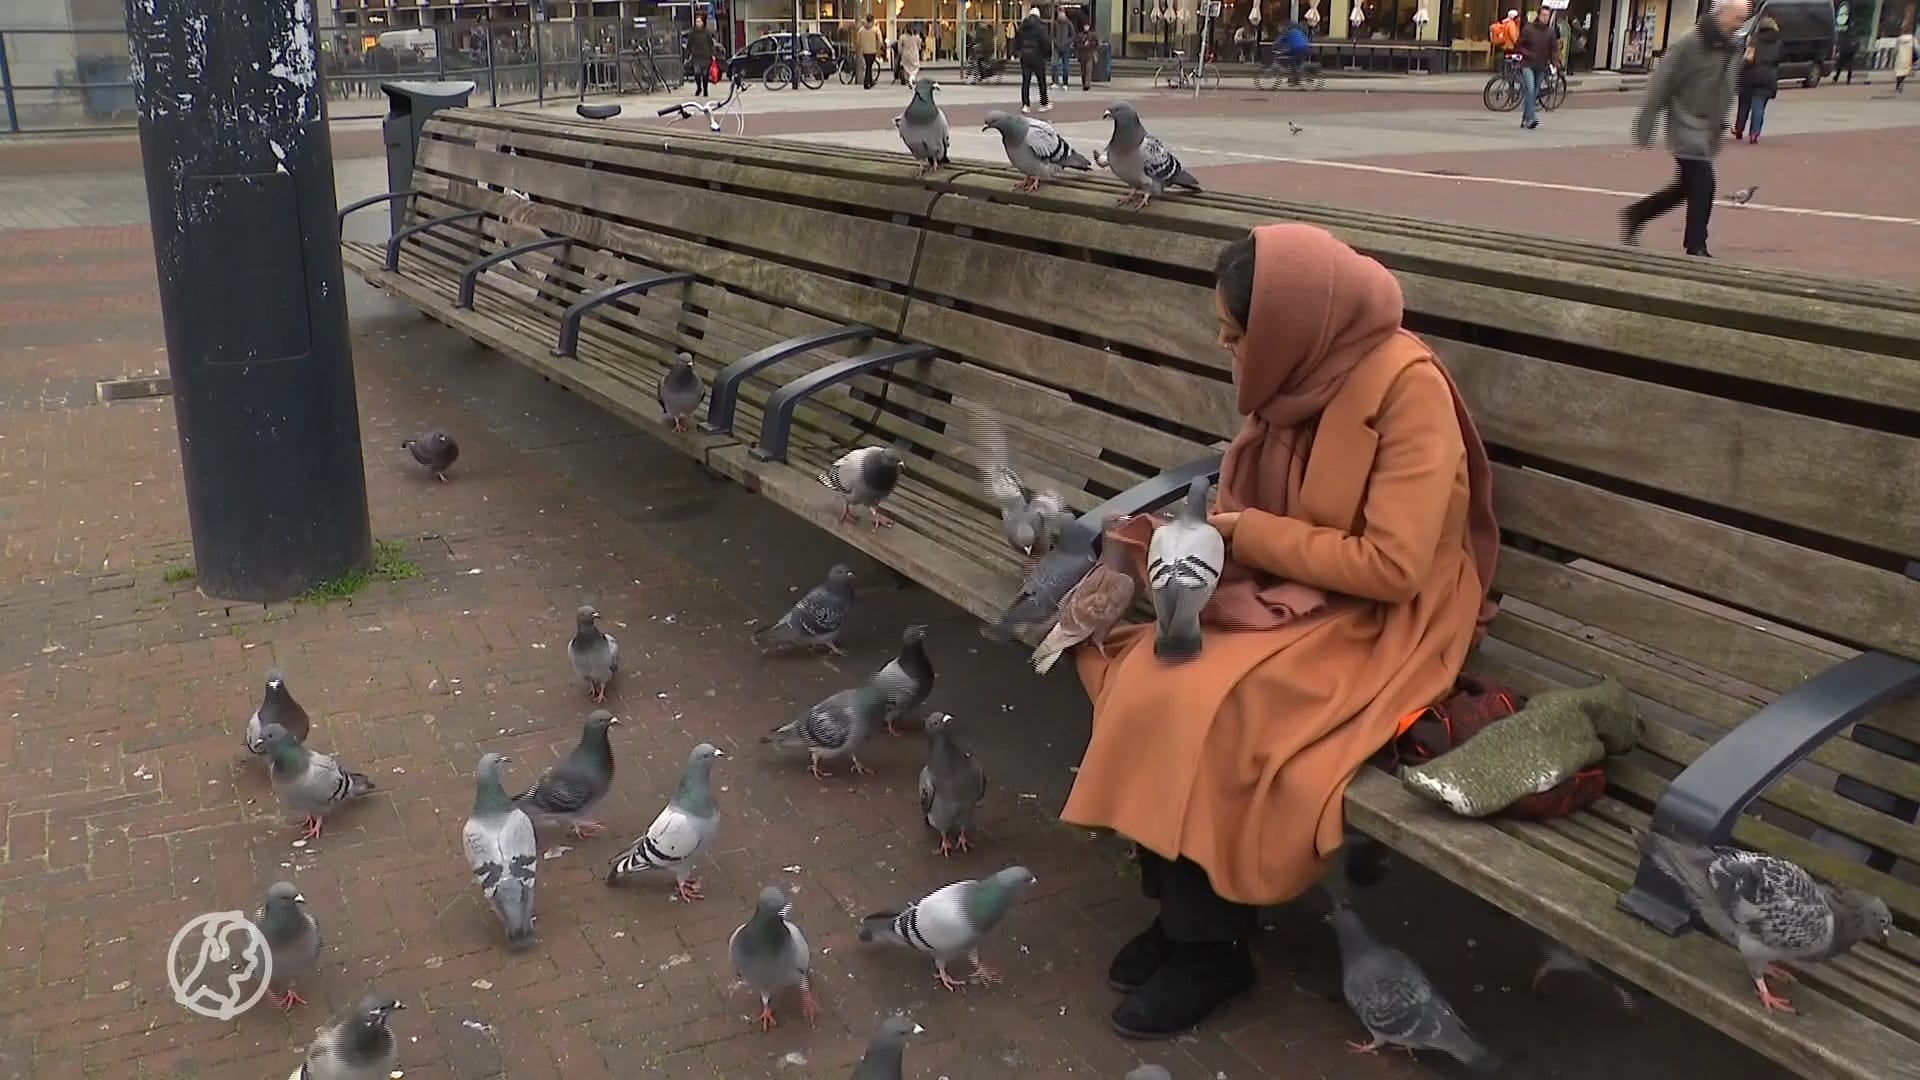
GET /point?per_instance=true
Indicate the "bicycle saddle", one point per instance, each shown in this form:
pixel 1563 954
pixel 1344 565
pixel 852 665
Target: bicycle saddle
pixel 598 112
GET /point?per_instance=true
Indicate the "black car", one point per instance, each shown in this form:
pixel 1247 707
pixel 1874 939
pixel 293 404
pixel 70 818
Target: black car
pixel 762 52
pixel 1806 36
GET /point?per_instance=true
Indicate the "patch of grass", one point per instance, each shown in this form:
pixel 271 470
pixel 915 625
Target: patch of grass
pixel 176 574
pixel 388 565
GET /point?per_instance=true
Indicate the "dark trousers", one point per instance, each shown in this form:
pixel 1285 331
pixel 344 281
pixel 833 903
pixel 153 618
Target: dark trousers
pixel 1086 73
pixel 1692 185
pixel 1190 911
pixel 700 72
pixel 1031 72
pixel 871 61
pixel 1844 63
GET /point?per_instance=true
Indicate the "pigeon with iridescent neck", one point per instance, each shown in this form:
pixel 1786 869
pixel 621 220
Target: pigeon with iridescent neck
pixel 770 954
pixel 887 1050
pixel 593 652
pixel 681 831
pixel 293 939
pixel 502 852
pixel 951 786
pixel 355 1045
pixel 923 127
pixel 276 707
pixel 310 783
pixel 950 922
pixel 570 789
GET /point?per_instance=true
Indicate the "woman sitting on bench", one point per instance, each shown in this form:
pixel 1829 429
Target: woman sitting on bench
pixel 1360 535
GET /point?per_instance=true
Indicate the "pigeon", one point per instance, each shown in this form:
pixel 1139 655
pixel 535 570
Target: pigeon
pixel 1557 959
pixel 1040 593
pixel 356 1045
pixel 865 476
pixel 436 450
pixel 770 954
pixel 1184 562
pixel 571 788
pixel 835 728
pixel 951 785
pixel 1150 1072
pixel 816 619
pixel 907 678
pixel 1392 997
pixel 502 851
pixel 276 707
pixel 308 782
pixel 923 127
pixel 1140 159
pixel 883 1059
pixel 1091 609
pixel 680 392
pixel 1034 148
pixel 680 832
pixel 293 939
pixel 594 653
pixel 1030 520
pixel 1768 908
pixel 1744 195
pixel 950 922
pixel 1294 128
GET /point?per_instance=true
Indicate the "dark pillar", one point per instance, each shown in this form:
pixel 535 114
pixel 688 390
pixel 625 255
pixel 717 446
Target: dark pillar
pixel 239 167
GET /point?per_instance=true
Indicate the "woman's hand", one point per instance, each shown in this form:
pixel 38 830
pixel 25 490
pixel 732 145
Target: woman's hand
pixel 1225 523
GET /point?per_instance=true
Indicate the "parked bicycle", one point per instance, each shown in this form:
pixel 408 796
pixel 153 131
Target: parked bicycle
pixel 1177 75
pixel 1303 75
pixel 780 73
pixel 1502 92
pixel 712 110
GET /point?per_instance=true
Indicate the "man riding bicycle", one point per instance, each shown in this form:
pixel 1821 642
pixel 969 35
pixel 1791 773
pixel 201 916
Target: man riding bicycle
pixel 1293 49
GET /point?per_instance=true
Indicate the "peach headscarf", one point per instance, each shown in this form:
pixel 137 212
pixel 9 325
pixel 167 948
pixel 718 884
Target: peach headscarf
pixel 1319 308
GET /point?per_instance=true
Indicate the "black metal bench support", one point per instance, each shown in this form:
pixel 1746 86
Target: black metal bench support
pixel 394 242
pixel 777 425
pixel 372 200
pixel 569 342
pixel 470 273
pixel 1704 802
pixel 1149 494
pixel 726 385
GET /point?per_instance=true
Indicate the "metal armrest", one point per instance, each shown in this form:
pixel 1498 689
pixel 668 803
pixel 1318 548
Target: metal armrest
pixel 1149 494
pixel 394 242
pixel 1703 802
pixel 570 321
pixel 777 425
pixel 374 200
pixel 726 385
pixel 470 273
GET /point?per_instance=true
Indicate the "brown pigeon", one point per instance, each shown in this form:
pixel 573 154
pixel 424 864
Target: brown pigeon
pixel 1094 605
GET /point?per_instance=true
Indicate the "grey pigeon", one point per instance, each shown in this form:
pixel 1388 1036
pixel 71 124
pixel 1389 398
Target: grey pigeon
pixel 308 782
pixel 594 653
pixel 950 922
pixel 951 786
pixel 1392 997
pixel 1040 594
pixel 886 1051
pixel 436 450
pixel 1092 607
pixel 1744 195
pixel 1031 520
pixel 356 1045
pixel 502 851
pixel 835 729
pixel 1140 159
pixel 923 127
pixel 816 619
pixel 1034 148
pixel 680 832
pixel 1294 128
pixel 1150 1072
pixel 770 954
pixel 293 939
pixel 1184 562
pixel 276 707
pixel 680 392
pixel 907 678
pixel 570 789
pixel 864 476
pixel 1768 908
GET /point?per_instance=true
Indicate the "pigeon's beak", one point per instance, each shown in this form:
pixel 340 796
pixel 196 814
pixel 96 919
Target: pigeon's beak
pixel 298 899
pixel 1107 115
pixel 918 1030
pixel 717 752
pixel 504 759
pixel 612 720
pixel 399 1005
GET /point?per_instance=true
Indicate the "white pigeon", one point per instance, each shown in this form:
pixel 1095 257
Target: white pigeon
pixel 1140 159
pixel 1184 562
pixel 680 832
pixel 1034 148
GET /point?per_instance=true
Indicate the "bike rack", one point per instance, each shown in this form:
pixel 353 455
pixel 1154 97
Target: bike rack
pixel 393 244
pixel 777 424
pixel 569 342
pixel 470 273
pixel 726 385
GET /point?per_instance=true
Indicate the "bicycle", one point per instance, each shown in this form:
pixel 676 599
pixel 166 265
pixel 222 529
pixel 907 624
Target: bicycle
pixel 1306 75
pixel 780 73
pixel 1183 76
pixel 850 68
pixel 1502 92
pixel 713 110
pixel 979 72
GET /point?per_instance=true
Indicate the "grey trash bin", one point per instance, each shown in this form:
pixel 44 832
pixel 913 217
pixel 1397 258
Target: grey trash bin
pixel 1103 64
pixel 409 106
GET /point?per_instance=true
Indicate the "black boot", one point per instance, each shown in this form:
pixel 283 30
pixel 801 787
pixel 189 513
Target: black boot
pixel 1195 980
pixel 1139 958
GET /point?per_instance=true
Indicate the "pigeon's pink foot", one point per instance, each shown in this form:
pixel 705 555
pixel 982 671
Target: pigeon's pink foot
pixel 846 511
pixel 818 772
pixel 880 520
pixel 809 1006
pixel 1540 977
pixel 310 828
pixel 287 1002
pixel 1780 974
pixel 1363 1047
pixel 585 829
pixel 1772 1001
pixel 891 730
pixel 982 973
pixel 440 476
pixel 859 769
pixel 690 890
pixel 946 848
pixel 965 844
pixel 835 649
pixel 767 1022
pixel 946 980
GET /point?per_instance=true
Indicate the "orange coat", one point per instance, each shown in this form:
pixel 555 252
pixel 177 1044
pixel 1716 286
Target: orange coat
pixel 1239 759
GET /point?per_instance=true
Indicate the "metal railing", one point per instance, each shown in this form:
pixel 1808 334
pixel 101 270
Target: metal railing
pixel 80 79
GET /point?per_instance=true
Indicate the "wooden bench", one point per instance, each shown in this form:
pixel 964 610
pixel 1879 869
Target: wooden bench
pixel 1708 479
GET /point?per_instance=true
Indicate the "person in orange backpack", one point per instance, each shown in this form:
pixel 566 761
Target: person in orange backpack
pixel 1505 35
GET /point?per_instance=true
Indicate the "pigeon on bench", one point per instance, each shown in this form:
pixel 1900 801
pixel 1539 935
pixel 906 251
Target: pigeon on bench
pixel 1140 159
pixel 680 392
pixel 1034 148
pixel 1184 562
pixel 923 127
pixel 1093 607
pixel 864 476
pixel 1031 520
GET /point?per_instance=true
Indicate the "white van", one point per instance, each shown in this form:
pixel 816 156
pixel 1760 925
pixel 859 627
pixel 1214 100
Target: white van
pixel 418 40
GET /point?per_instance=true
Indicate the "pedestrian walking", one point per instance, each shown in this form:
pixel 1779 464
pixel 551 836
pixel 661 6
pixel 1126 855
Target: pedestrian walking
pixel 1903 53
pixel 700 54
pixel 1243 44
pixel 1062 47
pixel 1033 44
pixel 1086 45
pixel 1536 64
pixel 1844 51
pixel 1759 80
pixel 982 53
pixel 910 53
pixel 1691 90
pixel 867 42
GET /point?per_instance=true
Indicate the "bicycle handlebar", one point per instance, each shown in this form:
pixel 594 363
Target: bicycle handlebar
pixel 672 109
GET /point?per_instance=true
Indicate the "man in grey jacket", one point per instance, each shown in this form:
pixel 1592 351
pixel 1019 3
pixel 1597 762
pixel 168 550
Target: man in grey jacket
pixel 1692 89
